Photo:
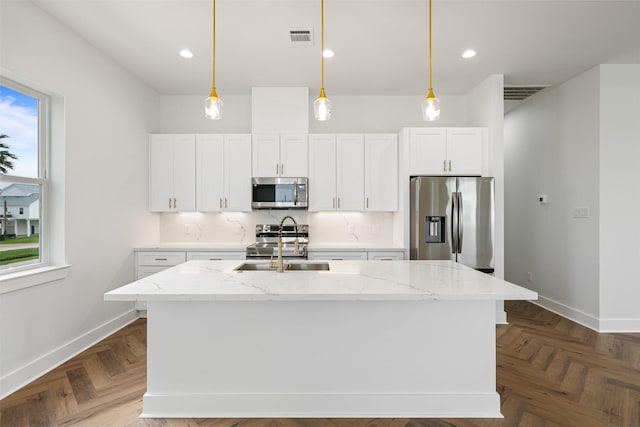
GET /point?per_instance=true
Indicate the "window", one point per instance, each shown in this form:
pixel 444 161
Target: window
pixel 23 176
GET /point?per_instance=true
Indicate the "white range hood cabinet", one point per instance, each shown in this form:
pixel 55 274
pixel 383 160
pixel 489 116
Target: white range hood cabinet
pixel 279 110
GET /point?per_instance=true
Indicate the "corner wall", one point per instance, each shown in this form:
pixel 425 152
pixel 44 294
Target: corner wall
pixel 552 148
pixel 619 197
pixel 100 172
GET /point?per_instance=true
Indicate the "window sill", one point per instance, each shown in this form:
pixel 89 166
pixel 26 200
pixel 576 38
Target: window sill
pixel 38 276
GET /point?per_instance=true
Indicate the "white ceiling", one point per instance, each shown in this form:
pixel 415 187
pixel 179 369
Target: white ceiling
pixel 380 45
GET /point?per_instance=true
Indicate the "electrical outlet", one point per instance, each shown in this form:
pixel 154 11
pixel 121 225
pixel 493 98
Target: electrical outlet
pixel 187 229
pixel 375 228
pixel 529 276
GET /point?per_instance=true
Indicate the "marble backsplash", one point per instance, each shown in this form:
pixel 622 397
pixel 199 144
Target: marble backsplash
pixel 325 228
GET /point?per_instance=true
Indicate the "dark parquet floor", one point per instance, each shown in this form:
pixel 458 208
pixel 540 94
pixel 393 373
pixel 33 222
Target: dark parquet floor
pixel 551 372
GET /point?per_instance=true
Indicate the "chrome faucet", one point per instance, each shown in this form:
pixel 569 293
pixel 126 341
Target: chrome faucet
pixel 280 267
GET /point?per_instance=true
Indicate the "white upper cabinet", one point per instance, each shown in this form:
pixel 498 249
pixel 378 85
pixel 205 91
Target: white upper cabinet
pixel 381 172
pixel 223 172
pixel 282 155
pixel 446 151
pixel 172 170
pixel 336 172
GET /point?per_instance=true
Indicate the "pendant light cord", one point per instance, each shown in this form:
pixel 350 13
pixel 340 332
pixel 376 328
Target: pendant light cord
pixel 213 73
pixel 430 62
pixel 322 51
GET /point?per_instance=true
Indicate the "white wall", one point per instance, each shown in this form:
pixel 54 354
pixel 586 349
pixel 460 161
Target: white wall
pixel 99 171
pixel 619 197
pixel 381 114
pixel 578 143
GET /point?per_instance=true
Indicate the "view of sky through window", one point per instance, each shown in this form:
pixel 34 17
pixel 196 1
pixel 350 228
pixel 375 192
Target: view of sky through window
pixel 19 120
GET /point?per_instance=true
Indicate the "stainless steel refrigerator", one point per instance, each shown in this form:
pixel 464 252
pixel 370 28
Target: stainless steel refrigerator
pixel 452 218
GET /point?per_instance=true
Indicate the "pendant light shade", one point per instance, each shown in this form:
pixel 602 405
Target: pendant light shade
pixel 322 105
pixel 431 104
pixel 213 104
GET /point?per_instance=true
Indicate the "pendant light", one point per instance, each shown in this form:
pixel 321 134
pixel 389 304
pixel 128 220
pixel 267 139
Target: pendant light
pixel 213 104
pixel 431 104
pixel 322 105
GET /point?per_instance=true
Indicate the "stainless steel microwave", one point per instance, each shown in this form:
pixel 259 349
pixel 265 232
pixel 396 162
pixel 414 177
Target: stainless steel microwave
pixel 279 193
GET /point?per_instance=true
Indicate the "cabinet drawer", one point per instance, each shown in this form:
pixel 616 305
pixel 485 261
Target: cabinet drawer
pixel 160 258
pixel 143 271
pixel 385 256
pixel 216 255
pixel 336 256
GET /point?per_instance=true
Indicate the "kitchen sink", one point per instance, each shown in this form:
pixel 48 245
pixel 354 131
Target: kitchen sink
pixel 288 266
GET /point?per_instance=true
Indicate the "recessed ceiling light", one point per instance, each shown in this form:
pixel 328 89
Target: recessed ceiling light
pixel 327 53
pixel 468 53
pixel 186 53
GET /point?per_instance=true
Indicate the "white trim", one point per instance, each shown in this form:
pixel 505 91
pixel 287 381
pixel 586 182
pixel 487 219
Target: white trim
pixel 322 405
pixel 619 325
pixel 573 314
pixel 30 371
pixel 12 282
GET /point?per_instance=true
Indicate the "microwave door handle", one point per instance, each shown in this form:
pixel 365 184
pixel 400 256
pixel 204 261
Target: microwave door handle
pixel 295 195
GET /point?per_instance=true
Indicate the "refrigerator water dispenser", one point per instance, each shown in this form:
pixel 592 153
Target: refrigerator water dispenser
pixel 435 229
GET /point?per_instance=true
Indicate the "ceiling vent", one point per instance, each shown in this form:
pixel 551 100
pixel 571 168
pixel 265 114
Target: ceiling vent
pixel 301 37
pixel 518 93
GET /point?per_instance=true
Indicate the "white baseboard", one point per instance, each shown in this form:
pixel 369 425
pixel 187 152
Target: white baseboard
pixel 573 314
pixel 22 376
pixel 322 405
pixel 620 325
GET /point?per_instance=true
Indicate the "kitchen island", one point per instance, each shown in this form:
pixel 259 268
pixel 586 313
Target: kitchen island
pixel 364 339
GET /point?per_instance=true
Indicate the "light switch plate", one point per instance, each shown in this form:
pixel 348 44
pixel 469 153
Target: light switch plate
pixel 581 212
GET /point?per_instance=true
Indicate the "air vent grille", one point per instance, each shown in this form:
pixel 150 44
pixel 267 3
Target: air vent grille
pixel 301 37
pixel 518 93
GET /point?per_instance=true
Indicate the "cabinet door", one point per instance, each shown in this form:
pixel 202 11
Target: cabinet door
pixel 381 172
pixel 293 155
pixel 184 172
pixel 266 155
pixel 428 151
pixel 350 172
pixel 322 172
pixel 465 151
pixel 161 173
pixel 210 173
pixel 237 183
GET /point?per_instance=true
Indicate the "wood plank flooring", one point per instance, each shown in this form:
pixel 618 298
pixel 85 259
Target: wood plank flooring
pixel 551 372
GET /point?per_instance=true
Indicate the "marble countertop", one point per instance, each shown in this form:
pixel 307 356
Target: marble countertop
pixel 346 280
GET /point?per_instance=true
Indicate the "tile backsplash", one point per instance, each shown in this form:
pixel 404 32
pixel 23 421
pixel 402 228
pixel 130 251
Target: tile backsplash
pixel 325 228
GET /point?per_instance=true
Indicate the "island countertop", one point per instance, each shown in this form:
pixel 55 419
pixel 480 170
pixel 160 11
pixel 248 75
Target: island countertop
pixel 346 280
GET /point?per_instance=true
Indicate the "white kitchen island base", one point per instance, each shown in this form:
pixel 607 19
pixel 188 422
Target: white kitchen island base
pixel 364 358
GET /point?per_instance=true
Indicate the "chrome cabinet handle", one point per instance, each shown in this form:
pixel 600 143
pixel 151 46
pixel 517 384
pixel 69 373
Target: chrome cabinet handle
pixel 367 203
pixel 449 165
pixel 160 259
pixel 338 202
pixel 334 203
pixel 174 203
pixel 225 202
pixel 444 165
pixel 281 168
pixel 169 202
pixel 220 202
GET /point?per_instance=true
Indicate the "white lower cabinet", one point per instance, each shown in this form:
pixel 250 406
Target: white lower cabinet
pixel 385 255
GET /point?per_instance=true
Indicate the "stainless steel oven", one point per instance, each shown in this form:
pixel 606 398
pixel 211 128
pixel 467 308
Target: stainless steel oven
pixel 279 193
pixel 266 245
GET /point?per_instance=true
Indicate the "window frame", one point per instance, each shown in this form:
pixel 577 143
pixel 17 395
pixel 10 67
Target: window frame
pixel 42 180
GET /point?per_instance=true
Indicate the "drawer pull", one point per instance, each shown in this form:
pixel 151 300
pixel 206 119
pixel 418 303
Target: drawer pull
pixel 160 259
pixel 215 259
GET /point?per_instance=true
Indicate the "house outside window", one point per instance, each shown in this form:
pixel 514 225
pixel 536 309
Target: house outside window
pixel 23 176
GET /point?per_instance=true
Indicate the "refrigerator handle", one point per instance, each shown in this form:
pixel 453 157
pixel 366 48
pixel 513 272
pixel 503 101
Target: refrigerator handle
pixel 460 224
pixel 454 222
